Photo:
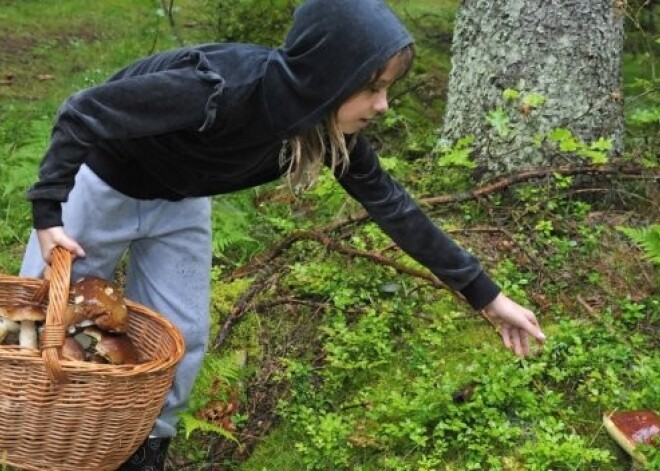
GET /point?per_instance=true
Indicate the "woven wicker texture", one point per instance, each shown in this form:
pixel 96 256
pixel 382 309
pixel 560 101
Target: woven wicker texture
pixel 65 415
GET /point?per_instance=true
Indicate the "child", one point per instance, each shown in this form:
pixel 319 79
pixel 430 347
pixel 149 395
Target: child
pixel 133 161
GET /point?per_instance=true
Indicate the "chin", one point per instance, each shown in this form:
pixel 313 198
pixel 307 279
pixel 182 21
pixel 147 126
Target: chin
pixel 352 129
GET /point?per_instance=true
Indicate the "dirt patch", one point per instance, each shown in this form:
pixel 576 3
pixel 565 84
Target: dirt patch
pixel 23 49
pixel 26 62
pixel 16 52
pixel 13 45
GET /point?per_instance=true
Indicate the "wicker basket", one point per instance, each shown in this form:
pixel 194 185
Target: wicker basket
pixel 67 415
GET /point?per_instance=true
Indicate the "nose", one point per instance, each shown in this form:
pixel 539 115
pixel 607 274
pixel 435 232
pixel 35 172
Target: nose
pixel 381 104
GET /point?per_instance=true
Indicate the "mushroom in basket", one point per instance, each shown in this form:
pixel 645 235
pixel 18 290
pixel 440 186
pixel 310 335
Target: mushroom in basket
pixel 97 302
pixel 99 309
pixel 73 350
pixel 26 315
pixel 102 347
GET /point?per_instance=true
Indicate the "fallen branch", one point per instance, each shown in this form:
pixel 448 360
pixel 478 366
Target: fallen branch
pixel 260 284
pixel 325 240
pixel 480 192
pixel 505 182
pixel 263 262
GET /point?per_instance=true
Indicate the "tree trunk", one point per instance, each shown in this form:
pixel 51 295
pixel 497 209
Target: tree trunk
pixel 523 69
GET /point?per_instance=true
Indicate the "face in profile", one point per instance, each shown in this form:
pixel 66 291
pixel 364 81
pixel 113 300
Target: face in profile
pixel 361 108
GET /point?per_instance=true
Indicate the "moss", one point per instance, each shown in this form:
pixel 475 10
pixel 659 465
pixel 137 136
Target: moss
pixel 223 298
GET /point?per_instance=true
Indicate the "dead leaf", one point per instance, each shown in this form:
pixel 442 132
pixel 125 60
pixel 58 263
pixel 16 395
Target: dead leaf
pixel 541 301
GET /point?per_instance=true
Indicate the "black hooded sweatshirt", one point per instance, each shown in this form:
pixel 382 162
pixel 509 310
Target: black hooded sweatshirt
pixel 211 119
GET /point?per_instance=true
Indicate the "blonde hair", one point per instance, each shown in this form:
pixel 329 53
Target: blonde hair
pixel 303 155
pixel 308 151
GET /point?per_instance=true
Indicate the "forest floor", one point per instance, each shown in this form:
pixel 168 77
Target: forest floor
pixel 550 244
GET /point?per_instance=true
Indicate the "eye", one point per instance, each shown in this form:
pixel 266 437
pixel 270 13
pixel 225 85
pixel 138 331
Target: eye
pixel 378 88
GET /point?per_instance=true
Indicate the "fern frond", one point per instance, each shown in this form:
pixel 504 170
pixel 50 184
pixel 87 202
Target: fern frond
pixel 192 423
pixel 648 238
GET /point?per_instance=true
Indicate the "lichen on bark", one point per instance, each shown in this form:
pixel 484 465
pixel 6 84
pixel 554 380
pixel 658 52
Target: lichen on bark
pixel 568 51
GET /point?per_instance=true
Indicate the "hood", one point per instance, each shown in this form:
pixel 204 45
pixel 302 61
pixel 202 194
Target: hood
pixel 333 48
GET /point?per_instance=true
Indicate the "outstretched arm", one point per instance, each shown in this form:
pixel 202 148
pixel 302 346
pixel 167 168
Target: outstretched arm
pixel 392 208
pixel 397 214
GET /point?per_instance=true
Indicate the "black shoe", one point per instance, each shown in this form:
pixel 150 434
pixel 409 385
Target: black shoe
pixel 150 456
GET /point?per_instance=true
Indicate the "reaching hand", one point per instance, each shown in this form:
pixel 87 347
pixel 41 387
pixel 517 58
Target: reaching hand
pixel 53 237
pixel 515 324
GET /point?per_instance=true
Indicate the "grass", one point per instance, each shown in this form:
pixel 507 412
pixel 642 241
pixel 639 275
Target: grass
pixel 69 42
pixel 51 49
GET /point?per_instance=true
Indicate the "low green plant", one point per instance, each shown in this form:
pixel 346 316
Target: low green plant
pixel 456 155
pixel 217 376
pixel 566 141
pixel 233 228
pixel 518 102
pixel 235 20
pixel 22 146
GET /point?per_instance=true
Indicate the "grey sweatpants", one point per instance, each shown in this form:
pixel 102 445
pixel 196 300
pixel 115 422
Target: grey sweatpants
pixel 169 262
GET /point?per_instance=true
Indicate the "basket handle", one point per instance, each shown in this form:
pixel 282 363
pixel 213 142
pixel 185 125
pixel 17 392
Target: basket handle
pixel 54 331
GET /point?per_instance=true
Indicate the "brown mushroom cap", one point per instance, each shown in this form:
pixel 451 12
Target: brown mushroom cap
pixel 72 350
pixel 116 349
pixel 99 301
pixel 24 312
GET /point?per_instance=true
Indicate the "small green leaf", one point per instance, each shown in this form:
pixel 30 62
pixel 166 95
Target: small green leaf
pixel 499 120
pixel 560 134
pixel 601 144
pixel 457 158
pixel 458 155
pixel 647 115
pixel 465 142
pixel 533 100
pixel 569 145
pixel 510 94
pixel 596 157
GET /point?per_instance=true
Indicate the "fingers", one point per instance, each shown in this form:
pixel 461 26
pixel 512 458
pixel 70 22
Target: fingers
pixel 515 334
pixel 524 345
pixel 506 338
pixel 526 321
pixel 535 329
pixel 532 327
pixel 54 237
pixel 72 246
pixel 517 340
pixel 516 324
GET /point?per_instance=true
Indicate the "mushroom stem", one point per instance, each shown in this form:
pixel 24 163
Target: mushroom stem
pixel 27 337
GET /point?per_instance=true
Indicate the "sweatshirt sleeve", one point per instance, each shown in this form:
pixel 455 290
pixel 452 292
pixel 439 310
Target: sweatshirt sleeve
pixel 392 208
pixel 126 108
